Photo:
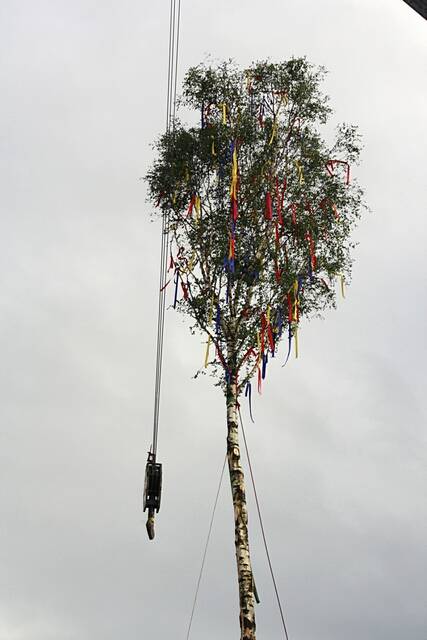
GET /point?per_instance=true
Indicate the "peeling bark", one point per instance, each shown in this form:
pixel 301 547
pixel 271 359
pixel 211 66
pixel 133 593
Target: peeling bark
pixel 244 568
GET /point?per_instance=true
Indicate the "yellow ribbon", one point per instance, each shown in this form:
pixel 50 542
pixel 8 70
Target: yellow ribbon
pixel 300 171
pixel 273 131
pixel 224 113
pixel 213 147
pixel 234 171
pixel 296 299
pixel 208 346
pixel 210 316
pixel 267 315
pixel 283 98
pixel 190 264
pixel 197 208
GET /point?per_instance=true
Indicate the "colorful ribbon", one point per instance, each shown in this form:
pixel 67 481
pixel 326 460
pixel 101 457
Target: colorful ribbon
pixel 248 394
pixel 330 167
pixel 300 172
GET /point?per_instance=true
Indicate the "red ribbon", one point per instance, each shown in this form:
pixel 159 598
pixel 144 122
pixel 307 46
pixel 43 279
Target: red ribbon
pixel 325 203
pixel 249 352
pixel 234 210
pixel 277 271
pixel 232 248
pixel 277 233
pixel 330 166
pixel 268 207
pixel 293 208
pixel 191 205
pixel 312 251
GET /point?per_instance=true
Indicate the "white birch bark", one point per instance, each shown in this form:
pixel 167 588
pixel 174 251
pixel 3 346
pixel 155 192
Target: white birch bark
pixel 244 568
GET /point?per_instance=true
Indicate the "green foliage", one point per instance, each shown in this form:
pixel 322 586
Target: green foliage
pixel 284 264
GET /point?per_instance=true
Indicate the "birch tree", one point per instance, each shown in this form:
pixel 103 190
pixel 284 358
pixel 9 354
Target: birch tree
pixel 259 210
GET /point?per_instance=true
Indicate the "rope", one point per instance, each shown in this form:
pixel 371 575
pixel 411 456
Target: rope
pixel 173 49
pixel 206 549
pixel 262 529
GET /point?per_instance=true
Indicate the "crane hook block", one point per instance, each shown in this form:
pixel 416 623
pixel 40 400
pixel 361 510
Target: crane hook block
pixel 152 484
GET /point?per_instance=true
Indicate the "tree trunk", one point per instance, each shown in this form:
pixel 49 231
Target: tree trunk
pixel 244 568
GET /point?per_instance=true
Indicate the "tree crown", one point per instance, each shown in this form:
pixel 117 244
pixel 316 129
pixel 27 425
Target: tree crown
pixel 258 208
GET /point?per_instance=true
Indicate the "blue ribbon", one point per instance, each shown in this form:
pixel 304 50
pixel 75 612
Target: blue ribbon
pixel 279 321
pixel 264 364
pixel 248 392
pixel 289 348
pixel 217 319
pixel 176 288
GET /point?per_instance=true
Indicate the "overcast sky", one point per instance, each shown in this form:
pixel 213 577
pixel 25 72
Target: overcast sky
pixel 339 442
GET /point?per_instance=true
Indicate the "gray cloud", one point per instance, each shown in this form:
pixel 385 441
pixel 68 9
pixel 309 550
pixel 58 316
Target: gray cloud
pixel 339 444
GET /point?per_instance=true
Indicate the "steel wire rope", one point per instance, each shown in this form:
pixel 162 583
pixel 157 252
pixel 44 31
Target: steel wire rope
pixel 206 548
pixel 173 49
pixel 262 529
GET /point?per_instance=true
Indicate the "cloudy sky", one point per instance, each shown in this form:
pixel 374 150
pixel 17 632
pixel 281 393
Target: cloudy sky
pixel 339 443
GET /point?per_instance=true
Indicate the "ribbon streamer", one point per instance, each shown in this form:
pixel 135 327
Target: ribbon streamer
pixel 176 288
pixel 197 207
pixel 289 344
pixel 191 205
pixel 264 364
pixel 312 251
pixel 208 346
pixel 330 167
pixel 293 208
pixel 273 131
pixel 268 207
pixel 224 113
pixel 248 394
pixel 300 172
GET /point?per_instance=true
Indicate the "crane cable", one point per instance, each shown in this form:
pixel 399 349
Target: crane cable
pixel 153 473
pixel 174 28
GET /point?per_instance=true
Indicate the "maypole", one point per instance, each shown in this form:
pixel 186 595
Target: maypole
pixel 257 211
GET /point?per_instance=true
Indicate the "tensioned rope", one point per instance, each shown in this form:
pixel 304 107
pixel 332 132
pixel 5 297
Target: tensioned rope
pixel 206 549
pixel 262 529
pixel 282 615
pixel 174 24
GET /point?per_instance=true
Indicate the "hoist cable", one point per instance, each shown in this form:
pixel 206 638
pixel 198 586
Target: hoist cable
pixel 206 549
pixel 173 48
pixel 262 529
pixel 176 59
